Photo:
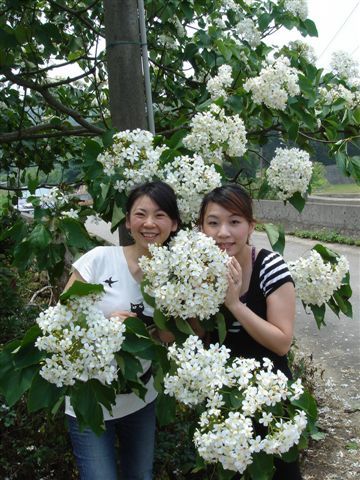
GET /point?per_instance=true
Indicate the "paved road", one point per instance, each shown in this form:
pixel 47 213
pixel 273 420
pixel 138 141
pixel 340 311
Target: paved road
pixel 336 347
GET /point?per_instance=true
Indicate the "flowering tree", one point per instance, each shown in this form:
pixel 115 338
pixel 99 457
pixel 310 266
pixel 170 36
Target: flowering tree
pixel 221 93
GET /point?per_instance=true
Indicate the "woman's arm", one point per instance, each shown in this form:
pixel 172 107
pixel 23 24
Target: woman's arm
pixel 74 276
pixel 277 333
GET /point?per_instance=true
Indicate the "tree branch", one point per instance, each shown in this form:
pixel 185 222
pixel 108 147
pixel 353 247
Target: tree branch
pixel 78 14
pixel 51 100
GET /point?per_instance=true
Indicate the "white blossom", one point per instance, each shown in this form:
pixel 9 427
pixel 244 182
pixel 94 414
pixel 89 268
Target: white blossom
pixel 214 134
pixel 333 92
pixel 70 214
pixel 344 66
pixel 54 199
pixel 246 28
pixel 80 342
pixel 305 50
pixel 187 278
pixel 217 85
pixel 199 373
pixel 289 172
pixel 132 159
pixel 191 179
pixel 297 8
pixel 317 280
pixel 226 433
pixel 275 83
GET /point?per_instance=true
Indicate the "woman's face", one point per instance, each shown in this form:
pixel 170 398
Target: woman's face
pixel 230 231
pixel 148 223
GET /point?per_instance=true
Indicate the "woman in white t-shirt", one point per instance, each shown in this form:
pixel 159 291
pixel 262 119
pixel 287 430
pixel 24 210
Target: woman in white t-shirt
pixel 152 216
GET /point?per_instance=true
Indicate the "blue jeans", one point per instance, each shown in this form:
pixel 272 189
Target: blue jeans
pixel 96 455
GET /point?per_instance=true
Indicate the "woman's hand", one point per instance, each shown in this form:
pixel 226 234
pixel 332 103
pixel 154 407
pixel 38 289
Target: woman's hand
pixel 122 315
pixel 234 277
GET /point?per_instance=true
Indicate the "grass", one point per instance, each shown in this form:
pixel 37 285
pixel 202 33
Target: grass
pixel 343 188
pixel 323 235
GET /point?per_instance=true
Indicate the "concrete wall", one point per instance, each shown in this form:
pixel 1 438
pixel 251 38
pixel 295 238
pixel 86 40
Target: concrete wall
pixel 342 217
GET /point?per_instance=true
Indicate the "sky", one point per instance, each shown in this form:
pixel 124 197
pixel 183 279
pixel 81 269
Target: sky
pixel 338 25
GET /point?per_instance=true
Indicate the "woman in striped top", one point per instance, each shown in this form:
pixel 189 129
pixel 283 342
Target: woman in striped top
pixel 259 307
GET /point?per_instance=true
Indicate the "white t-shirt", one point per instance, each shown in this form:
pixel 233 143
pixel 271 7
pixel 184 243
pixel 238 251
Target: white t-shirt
pixel 108 266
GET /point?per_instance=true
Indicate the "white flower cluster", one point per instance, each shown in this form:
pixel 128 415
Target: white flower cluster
pixel 298 8
pixel 54 199
pixel 290 171
pixel 187 278
pixel 70 214
pixel 274 84
pixel 131 159
pixel 216 86
pixel 247 30
pixel 199 371
pixel 344 66
pixel 226 434
pixel 316 280
pixel 334 92
pixel 80 342
pixel 214 134
pixel 305 50
pixel 191 179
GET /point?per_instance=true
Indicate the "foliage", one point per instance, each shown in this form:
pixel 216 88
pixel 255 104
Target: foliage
pixel 325 235
pixel 47 117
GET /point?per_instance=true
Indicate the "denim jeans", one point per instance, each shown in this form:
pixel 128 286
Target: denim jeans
pixel 96 456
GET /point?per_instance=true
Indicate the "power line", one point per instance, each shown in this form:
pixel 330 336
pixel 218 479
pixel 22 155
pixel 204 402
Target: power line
pixel 342 26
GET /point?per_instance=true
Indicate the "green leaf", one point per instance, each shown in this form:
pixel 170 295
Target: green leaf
pixel 43 394
pixel 276 236
pixel 326 253
pixel 311 28
pixel 184 326
pixel 117 216
pixel 75 233
pixel 221 326
pixel 291 455
pixel 236 103
pixel 92 150
pixel 262 467
pixel 307 403
pixel 86 406
pixel 17 383
pixel 159 319
pixel 344 305
pixel 297 201
pixel 355 168
pixel 165 409
pixel 142 347
pixel 264 21
pixel 136 326
pixel 319 314
pixel 80 289
pixel 148 298
pixel 129 365
pixel 40 237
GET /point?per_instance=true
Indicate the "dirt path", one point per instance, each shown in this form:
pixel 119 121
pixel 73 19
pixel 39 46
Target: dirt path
pixel 332 356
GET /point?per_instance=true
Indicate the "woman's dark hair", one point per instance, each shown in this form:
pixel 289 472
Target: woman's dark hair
pixel 233 198
pixel 161 193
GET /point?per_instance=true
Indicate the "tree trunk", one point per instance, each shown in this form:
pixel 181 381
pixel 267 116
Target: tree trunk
pixel 124 65
pixel 126 82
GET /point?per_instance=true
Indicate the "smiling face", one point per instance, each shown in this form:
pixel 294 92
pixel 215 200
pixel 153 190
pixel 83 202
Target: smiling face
pixel 230 230
pixel 148 223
